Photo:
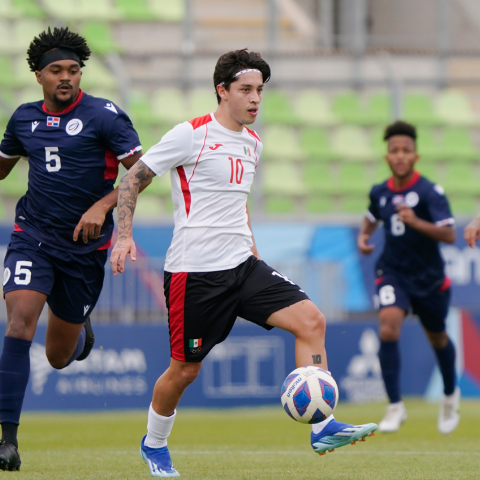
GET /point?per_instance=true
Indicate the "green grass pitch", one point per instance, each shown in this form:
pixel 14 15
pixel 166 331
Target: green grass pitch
pixel 260 443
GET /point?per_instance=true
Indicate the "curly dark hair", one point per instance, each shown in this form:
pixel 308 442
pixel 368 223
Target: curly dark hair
pixel 60 37
pixel 233 62
pixel 400 128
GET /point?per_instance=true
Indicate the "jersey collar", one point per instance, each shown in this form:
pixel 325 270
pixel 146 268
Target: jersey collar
pixel 68 109
pixel 411 183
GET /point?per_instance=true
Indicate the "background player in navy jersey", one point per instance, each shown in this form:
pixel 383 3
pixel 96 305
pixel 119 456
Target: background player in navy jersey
pixel 74 143
pixel 410 271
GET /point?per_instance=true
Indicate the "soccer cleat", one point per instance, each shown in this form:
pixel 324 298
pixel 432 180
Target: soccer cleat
pixel 449 417
pixel 394 417
pixel 158 460
pixel 9 457
pixel 89 340
pixel 337 434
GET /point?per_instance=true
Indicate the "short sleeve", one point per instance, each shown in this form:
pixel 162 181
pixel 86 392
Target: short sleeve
pixel 118 133
pixel 438 207
pixel 172 151
pixel 11 147
pixel 373 214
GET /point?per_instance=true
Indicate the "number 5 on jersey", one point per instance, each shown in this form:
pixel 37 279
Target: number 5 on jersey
pixel 52 159
pixel 236 170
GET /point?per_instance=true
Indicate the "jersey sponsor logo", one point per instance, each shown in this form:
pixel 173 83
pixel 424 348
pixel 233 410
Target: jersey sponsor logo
pixel 195 345
pixel 412 199
pixel 398 200
pixel 383 201
pixel 247 151
pixel 53 121
pixel 35 125
pixel 216 146
pixel 6 275
pixel 111 107
pixel 74 126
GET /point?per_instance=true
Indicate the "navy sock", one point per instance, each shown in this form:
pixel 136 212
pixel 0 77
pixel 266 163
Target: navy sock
pixel 14 373
pixel 446 362
pixel 79 348
pixel 389 356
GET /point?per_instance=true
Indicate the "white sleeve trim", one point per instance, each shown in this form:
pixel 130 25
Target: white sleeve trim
pixel 369 216
pixel 4 155
pixel 130 153
pixel 447 221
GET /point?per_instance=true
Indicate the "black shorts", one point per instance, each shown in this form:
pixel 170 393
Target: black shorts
pixel 203 306
pixel 432 309
pixel 72 282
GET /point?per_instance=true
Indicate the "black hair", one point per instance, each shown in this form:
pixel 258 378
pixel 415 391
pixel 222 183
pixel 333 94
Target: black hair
pixel 59 38
pixel 233 62
pixel 400 128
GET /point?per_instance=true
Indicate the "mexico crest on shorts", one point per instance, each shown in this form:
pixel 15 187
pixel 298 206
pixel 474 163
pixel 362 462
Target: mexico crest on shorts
pixel 195 345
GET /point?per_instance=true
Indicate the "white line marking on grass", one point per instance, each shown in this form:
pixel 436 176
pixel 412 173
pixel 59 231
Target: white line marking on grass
pixel 290 452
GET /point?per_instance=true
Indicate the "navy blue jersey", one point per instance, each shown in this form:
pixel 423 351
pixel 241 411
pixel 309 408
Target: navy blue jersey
pixel 409 254
pixel 73 161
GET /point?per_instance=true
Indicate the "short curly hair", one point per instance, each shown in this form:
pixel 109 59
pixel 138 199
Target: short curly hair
pixel 400 128
pixel 59 38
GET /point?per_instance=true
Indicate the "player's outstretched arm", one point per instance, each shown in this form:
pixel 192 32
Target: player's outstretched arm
pixel 366 231
pixel 6 166
pixel 472 232
pixel 128 191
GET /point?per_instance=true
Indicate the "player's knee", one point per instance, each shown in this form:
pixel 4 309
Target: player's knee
pixel 189 372
pixel 437 340
pixel 21 326
pixel 57 359
pixel 389 332
pixel 313 324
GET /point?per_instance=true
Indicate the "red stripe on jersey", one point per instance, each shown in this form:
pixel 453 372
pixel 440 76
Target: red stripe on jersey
pixel 176 315
pixel 253 134
pixel 68 109
pixel 204 141
pixel 379 280
pixel 447 283
pixel 111 165
pixel 106 246
pixel 411 183
pixel 17 228
pixel 198 122
pixel 185 189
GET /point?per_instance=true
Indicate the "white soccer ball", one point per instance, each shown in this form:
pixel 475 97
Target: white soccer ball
pixel 309 394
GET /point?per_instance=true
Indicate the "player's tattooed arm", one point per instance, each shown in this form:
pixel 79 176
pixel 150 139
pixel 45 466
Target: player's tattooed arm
pixel 128 191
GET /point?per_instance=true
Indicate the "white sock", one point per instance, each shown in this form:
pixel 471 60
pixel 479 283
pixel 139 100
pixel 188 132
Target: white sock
pixel 318 427
pixel 158 428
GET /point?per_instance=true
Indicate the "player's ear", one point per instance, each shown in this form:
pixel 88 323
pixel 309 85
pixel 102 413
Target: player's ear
pixel 38 76
pixel 221 90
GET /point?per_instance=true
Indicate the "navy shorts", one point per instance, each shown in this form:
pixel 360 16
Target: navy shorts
pixel 72 282
pixel 432 309
pixel 203 306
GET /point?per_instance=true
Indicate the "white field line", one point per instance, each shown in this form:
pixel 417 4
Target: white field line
pixel 290 452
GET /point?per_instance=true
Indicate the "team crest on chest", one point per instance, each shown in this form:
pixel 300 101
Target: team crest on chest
pixel 412 199
pixel 247 151
pixel 398 200
pixel 74 126
pixel 53 121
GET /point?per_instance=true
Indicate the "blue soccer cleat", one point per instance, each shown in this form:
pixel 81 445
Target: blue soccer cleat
pixel 158 460
pixel 338 434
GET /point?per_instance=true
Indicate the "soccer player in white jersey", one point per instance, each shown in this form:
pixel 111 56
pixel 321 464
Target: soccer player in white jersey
pixel 213 272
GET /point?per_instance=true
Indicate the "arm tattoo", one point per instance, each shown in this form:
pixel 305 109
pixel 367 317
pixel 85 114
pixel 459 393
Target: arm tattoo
pixel 127 195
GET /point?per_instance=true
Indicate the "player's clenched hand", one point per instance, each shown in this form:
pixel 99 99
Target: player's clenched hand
pixel 91 224
pixel 363 245
pixel 122 248
pixel 472 232
pixel 406 215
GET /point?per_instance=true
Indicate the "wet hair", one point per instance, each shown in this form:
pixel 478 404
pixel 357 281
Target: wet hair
pixel 233 62
pixel 59 38
pixel 400 128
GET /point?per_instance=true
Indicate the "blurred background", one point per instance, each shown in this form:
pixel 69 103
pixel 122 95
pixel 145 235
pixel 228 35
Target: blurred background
pixel 341 71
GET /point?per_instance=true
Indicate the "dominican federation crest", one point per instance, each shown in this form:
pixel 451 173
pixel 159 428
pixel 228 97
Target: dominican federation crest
pixel 195 345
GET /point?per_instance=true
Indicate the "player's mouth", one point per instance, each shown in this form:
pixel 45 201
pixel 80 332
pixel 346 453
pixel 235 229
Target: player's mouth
pixel 253 111
pixel 64 88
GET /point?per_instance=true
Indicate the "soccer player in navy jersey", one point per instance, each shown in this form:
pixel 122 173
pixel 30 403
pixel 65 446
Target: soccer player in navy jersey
pixel 410 271
pixel 63 227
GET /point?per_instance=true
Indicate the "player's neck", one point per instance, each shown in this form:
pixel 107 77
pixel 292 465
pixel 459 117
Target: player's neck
pixel 54 107
pixel 226 120
pixel 400 182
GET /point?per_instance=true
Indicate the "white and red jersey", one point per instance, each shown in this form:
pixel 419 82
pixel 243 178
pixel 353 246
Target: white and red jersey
pixel 211 170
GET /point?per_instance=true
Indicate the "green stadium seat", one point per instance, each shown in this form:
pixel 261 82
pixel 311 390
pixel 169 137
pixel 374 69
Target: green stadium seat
pixel 96 75
pixel 316 145
pixel 102 10
pixel 6 37
pixel 428 146
pixel 279 204
pixel 22 75
pixel 418 109
pixel 24 32
pixel 458 145
pixel 7 76
pixel 149 207
pixel 454 108
pixel 348 109
pixel 318 179
pixel 313 108
pixel 201 101
pixel 7 10
pixel 430 171
pixel 318 204
pixel 378 144
pixel 28 8
pixel 137 10
pixel 64 10
pixel 281 143
pixel 379 110
pixel 355 178
pixel 277 108
pixel 33 93
pixel 147 137
pixel 140 109
pixel 169 105
pixel 355 203
pixel 99 37
pixel 461 179
pixel 282 179
pixel 352 143
pixel 381 172
pixel 463 204
pixel 16 183
pixel 167 10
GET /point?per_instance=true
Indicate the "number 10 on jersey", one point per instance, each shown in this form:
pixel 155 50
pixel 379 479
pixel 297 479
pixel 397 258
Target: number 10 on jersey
pixel 236 170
